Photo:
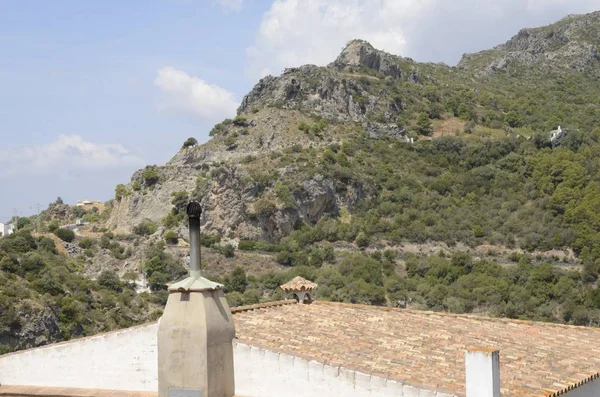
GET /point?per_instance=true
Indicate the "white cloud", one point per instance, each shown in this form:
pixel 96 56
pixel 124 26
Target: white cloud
pixel 188 94
pixel 67 154
pixel 231 5
pixel 296 32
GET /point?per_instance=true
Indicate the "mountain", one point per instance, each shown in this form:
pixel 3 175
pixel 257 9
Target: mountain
pixel 570 44
pixel 385 180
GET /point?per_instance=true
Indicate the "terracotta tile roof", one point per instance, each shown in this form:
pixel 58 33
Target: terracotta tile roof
pixel 299 284
pixel 536 359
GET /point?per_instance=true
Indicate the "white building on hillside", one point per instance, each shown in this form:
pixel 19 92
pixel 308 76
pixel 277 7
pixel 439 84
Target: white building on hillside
pixel 6 229
pixel 81 203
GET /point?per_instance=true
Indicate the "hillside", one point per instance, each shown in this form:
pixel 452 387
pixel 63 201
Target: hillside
pixel 387 181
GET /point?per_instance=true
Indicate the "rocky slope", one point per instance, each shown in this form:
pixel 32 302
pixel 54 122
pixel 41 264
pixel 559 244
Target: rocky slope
pixel 248 192
pixel 571 43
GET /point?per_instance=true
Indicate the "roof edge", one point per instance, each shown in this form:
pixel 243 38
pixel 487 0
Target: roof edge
pixel 572 386
pixel 456 315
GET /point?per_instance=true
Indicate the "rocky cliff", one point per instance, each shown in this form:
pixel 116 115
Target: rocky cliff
pixel 264 171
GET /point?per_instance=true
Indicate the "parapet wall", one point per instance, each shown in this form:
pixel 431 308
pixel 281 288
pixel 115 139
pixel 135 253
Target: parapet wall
pixel 127 360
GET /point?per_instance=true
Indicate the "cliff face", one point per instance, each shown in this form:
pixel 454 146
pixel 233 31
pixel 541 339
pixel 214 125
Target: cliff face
pixel 248 192
pixel 571 44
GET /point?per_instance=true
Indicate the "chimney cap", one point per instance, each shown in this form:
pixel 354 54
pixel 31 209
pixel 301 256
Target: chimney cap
pixel 194 209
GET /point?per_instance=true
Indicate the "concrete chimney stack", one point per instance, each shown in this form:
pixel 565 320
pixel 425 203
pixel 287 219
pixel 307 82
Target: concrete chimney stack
pixel 195 333
pixel 482 368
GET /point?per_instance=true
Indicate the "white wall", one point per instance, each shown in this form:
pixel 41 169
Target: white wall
pixel 122 360
pixel 590 389
pixel 127 360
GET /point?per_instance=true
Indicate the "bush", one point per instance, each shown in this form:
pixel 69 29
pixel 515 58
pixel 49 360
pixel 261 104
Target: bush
pixel 190 142
pixel 86 243
pixel 65 234
pixel 240 121
pixel 227 250
pixel 264 207
pixel 110 280
pixel 145 228
pixel 171 237
pixel 121 191
pixel 234 299
pixel 252 297
pixel 151 175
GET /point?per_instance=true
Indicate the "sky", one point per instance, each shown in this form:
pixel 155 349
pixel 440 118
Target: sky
pixel 92 91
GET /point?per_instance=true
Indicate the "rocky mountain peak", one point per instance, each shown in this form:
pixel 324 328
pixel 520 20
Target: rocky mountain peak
pixel 571 43
pixel 360 53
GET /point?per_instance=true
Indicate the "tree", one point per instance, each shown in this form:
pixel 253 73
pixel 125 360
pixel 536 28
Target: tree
pixel 120 191
pixel 110 280
pixel 151 175
pixel 65 234
pixel 171 237
pixel 236 281
pixel 190 142
pixel 513 119
pixel 145 228
pixel 252 297
pixel 424 126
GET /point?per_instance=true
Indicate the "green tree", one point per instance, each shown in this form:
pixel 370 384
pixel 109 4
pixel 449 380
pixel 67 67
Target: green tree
pixel 190 142
pixel 424 126
pixel 236 281
pixel 65 234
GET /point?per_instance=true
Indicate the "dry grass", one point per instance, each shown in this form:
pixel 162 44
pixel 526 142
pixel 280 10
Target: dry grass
pixel 58 242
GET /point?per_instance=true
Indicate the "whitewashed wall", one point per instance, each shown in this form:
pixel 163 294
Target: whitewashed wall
pixel 127 360
pixel 122 360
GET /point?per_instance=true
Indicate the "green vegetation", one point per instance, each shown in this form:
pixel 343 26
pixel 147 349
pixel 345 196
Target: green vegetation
pixel 65 234
pixel 151 175
pixel 190 142
pixel 145 228
pixel 40 283
pixel 171 237
pixel 160 267
pixel 121 191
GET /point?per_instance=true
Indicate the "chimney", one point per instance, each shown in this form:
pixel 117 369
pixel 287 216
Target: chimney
pixel 195 333
pixel 482 368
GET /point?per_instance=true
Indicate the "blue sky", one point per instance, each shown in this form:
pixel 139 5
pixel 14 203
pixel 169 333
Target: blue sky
pixel 92 91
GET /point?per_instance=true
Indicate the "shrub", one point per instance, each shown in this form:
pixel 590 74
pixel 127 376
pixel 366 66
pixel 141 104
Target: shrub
pixel 240 121
pixel 362 240
pixel 86 243
pixel 219 128
pixel 65 234
pixel 110 280
pixel 145 228
pixel 150 175
pixel 180 199
pixel 264 207
pixel 171 237
pixel 236 281
pixel 120 191
pixel 136 185
pixel 190 142
pixel 234 299
pixel 252 296
pixel 247 245
pixel 227 250
pixel 304 127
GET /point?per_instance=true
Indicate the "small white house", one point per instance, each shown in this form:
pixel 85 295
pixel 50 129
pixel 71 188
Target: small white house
pixel 6 229
pixel 81 203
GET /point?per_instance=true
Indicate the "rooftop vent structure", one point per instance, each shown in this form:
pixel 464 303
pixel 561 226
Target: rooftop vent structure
pixel 299 289
pixel 195 333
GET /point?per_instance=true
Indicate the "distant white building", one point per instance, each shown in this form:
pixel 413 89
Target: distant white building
pixel 81 203
pixel 6 229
